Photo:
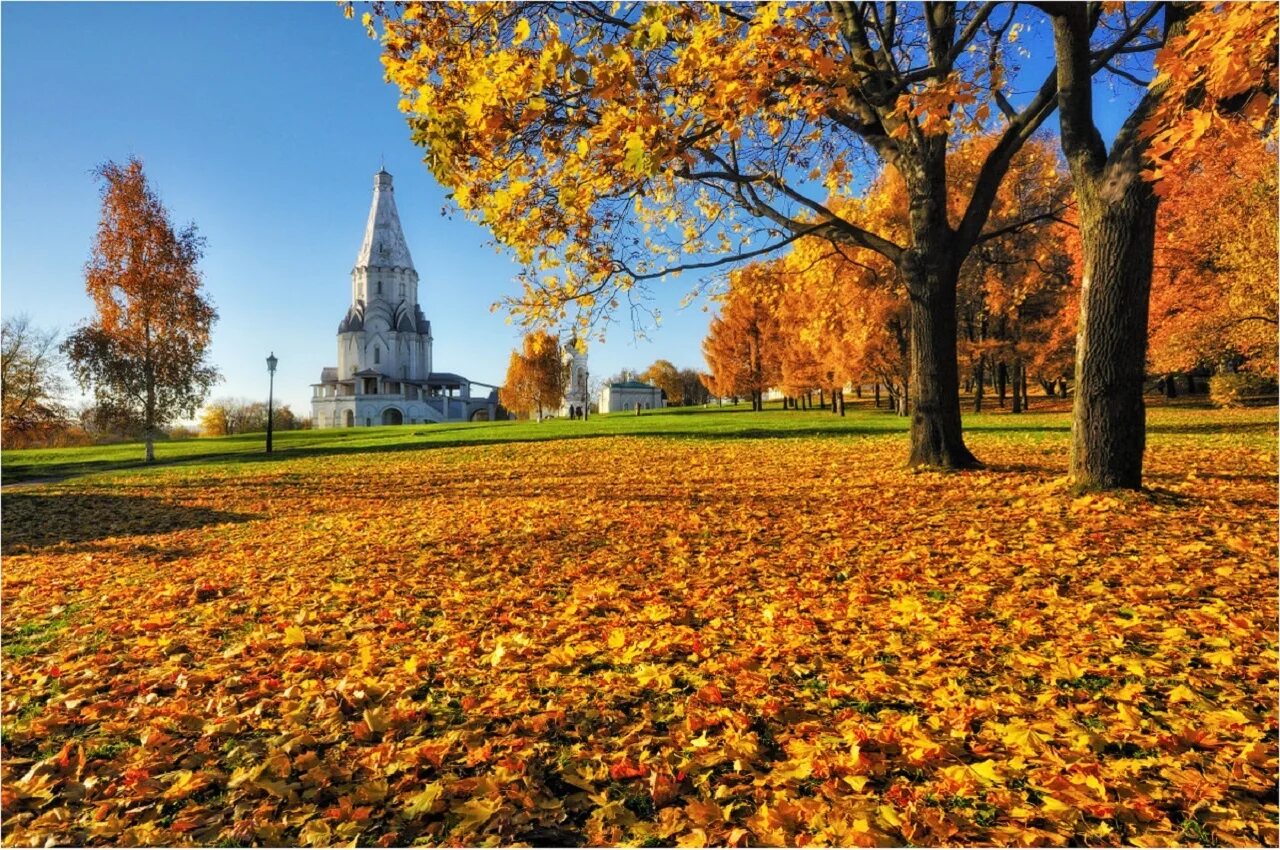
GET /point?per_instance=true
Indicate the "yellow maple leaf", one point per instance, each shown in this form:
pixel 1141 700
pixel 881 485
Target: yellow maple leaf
pixel 521 33
pixel 475 813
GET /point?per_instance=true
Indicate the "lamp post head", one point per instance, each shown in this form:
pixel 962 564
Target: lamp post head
pixel 272 360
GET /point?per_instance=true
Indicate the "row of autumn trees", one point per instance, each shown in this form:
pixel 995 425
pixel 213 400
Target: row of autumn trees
pixel 537 379
pixel 822 317
pixel 609 145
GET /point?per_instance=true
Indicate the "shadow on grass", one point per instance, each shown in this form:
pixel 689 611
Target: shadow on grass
pixel 35 521
pixel 422 440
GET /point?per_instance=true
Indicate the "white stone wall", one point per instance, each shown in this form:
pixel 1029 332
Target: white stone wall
pixel 624 399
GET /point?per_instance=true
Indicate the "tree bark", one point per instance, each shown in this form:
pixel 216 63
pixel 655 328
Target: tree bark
pixel 1191 384
pixel 1170 386
pixel 1002 379
pixel 877 395
pixel 979 374
pixel 1109 427
pixel 936 438
pixel 149 413
pixel 1117 219
pixel 1015 378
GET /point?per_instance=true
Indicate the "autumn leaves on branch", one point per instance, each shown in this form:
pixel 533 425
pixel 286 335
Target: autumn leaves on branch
pixel 144 355
pixel 609 145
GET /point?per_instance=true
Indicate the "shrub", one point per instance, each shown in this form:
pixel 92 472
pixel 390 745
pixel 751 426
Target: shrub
pixel 1238 389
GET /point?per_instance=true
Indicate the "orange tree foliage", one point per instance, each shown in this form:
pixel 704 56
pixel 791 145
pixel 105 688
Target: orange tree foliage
pixel 1220 74
pixel 535 382
pixel 842 314
pixel 143 355
pixel 665 376
pixel 743 343
pixel 1213 299
pixel 792 643
pixel 608 144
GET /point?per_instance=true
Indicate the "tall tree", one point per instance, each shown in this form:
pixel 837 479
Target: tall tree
pixel 144 353
pixel 693 390
pixel 742 345
pixel 665 376
pixel 31 383
pixel 536 376
pixel 1220 64
pixel 610 144
pixel 1213 296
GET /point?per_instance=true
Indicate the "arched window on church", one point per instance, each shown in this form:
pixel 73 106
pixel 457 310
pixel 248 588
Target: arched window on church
pixel 377 354
pixel 379 287
pixel 401 289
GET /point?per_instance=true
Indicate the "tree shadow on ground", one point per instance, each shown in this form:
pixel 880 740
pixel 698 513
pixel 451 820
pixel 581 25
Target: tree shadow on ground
pixel 35 521
pixel 413 442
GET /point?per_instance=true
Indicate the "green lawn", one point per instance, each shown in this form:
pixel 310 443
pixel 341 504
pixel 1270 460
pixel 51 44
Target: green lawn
pixel 861 419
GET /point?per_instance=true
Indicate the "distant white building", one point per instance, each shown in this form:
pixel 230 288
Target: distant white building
pixel 384 376
pixel 576 396
pixel 625 395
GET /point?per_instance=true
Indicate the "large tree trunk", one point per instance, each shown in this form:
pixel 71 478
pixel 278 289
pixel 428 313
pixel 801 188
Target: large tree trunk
pixel 936 438
pixel 1117 212
pixel 1117 227
pixel 1002 379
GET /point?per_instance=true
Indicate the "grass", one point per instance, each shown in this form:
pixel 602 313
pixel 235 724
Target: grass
pixel 727 422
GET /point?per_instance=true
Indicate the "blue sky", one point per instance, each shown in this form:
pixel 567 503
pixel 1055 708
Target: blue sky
pixel 263 123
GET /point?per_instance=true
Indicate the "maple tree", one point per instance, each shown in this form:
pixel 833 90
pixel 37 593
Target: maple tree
pixel 791 642
pixel 144 353
pixel 843 317
pixel 1201 73
pixel 536 376
pixel 742 344
pixel 665 376
pixel 1213 298
pixel 31 386
pixel 611 145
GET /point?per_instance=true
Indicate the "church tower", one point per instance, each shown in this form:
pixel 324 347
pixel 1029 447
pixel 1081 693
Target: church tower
pixel 384 376
pixel 384 330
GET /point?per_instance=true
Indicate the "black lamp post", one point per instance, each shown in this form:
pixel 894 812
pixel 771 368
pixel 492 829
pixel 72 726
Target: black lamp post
pixel 271 386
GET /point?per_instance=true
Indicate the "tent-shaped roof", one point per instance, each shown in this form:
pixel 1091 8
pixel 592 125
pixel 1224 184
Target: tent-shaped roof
pixel 384 244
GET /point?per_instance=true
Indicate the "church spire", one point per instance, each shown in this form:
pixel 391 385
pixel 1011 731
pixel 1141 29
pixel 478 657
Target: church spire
pixel 384 243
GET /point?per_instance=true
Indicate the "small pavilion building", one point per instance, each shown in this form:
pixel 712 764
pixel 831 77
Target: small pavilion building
pixel 622 396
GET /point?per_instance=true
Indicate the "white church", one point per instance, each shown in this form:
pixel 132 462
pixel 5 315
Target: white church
pixel 384 374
